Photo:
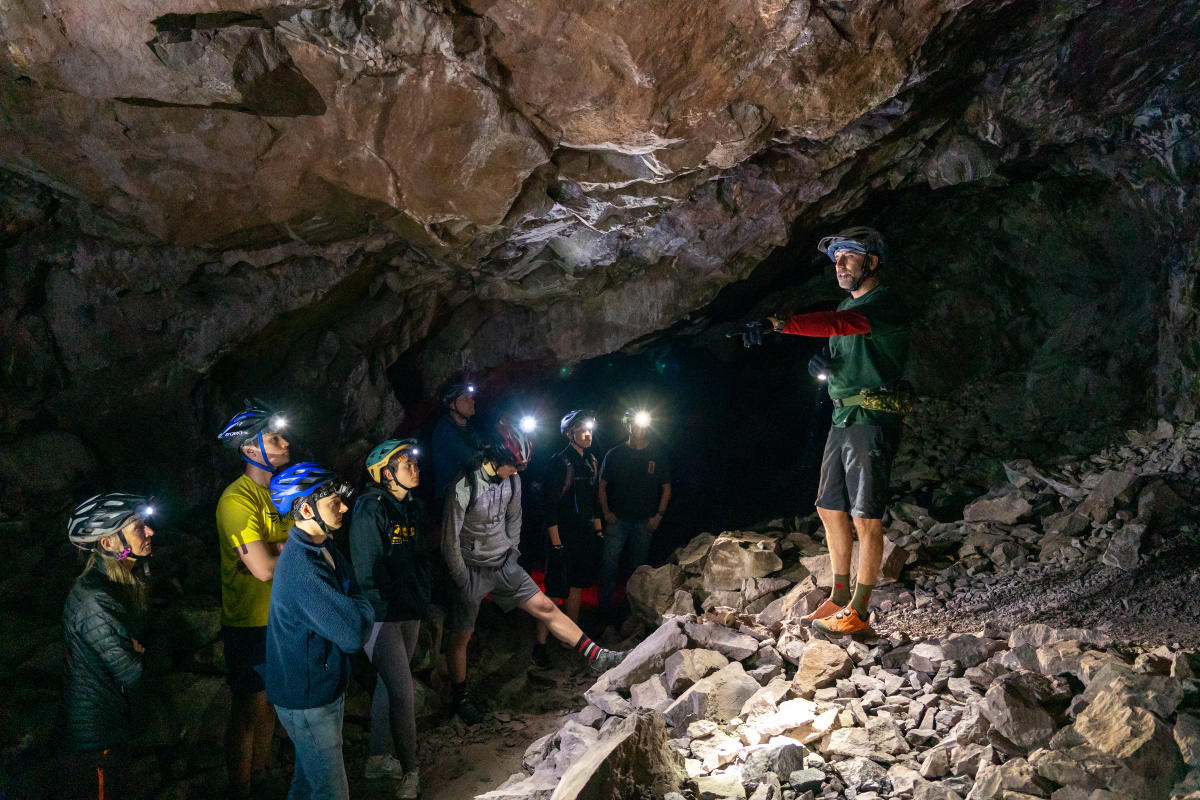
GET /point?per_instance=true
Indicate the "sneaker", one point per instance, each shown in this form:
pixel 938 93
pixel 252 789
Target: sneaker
pixel 826 609
pixel 606 660
pixel 384 766
pixel 541 656
pixel 467 711
pixel 410 786
pixel 845 622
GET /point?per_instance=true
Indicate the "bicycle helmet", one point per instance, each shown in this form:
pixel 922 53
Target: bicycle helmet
pixel 105 515
pixel 516 440
pixel 573 419
pixel 456 389
pixel 248 427
pixel 383 453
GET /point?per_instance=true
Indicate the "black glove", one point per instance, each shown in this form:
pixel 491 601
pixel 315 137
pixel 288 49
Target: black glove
pixel 753 335
pixel 820 365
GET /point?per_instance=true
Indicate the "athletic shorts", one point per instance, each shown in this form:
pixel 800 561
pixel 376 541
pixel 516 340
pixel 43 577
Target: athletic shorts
pixel 857 468
pixel 508 584
pixel 245 649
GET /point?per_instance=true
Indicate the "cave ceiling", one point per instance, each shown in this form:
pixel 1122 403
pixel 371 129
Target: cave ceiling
pixel 203 198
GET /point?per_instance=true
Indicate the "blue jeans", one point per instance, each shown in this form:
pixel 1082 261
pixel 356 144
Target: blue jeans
pixel 632 532
pixel 320 772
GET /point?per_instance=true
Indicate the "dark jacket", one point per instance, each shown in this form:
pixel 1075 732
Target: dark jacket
pixel 570 491
pixel 318 617
pixel 454 448
pixel 391 553
pixel 100 623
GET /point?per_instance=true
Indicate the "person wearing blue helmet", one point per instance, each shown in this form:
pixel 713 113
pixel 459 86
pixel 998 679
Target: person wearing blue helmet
pixel 863 371
pixel 319 616
pixel 456 443
pixel 392 557
pixel 102 620
pixel 251 534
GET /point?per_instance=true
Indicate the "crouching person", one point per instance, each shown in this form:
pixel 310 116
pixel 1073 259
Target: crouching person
pixel 318 617
pixel 104 614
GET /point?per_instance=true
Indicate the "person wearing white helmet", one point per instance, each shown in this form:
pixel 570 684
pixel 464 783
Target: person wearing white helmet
pixel 864 371
pixel 103 617
pixel 251 536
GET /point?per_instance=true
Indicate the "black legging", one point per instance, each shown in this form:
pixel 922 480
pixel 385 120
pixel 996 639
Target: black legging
pixel 393 717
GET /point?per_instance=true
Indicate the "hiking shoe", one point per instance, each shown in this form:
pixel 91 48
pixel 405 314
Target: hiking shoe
pixel 410 786
pixel 606 660
pixel 384 766
pixel 846 622
pixel 541 656
pixel 467 711
pixel 826 609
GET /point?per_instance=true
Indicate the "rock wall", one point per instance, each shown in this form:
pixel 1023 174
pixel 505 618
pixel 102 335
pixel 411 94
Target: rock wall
pixel 203 201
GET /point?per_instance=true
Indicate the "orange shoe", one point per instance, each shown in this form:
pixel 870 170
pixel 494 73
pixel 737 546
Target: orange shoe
pixel 826 609
pixel 845 622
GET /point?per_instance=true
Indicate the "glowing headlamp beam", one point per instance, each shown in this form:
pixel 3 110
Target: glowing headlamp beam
pixel 642 419
pixel 528 423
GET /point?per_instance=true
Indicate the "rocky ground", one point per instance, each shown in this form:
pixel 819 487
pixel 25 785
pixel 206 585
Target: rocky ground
pixel 1043 646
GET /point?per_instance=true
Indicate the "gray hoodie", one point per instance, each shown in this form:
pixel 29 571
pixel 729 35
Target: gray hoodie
pixel 484 535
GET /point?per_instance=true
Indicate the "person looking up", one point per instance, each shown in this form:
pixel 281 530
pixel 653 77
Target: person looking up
pixel 319 616
pixel 391 555
pixel 103 617
pixel 456 443
pixel 251 534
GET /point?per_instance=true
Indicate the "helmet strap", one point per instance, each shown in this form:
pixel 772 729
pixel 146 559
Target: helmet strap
pixel 262 449
pixel 867 274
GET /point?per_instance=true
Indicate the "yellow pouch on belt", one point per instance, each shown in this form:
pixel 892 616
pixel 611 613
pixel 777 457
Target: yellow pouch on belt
pixel 893 401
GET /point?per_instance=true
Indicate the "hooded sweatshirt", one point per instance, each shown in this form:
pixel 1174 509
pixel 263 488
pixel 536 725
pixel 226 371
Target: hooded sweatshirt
pixel 482 522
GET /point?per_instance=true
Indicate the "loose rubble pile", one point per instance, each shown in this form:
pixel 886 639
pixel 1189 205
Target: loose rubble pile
pixel 730 696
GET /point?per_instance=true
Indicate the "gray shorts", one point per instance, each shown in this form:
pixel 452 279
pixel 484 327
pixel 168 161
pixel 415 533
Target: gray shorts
pixel 857 468
pixel 508 584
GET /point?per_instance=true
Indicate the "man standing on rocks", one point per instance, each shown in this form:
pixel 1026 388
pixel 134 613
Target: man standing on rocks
pixel 252 535
pixel 455 442
pixel 635 488
pixel 480 535
pixel 868 349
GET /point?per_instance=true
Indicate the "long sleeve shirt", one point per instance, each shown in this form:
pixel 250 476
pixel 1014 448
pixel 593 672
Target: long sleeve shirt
pixel 391 554
pixel 482 522
pixel 319 616
pixel 454 448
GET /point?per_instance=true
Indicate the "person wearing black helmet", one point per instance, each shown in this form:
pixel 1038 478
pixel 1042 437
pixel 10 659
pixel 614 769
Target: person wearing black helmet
pixel 571 509
pixel 455 442
pixel 635 488
pixel 102 620
pixel 251 534
pixel 868 349
pixel 480 537
pixel 391 555
pixel 319 616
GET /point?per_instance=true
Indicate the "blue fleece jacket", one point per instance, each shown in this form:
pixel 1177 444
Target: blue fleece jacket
pixel 318 617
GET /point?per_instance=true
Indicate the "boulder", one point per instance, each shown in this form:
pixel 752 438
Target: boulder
pixel 736 556
pixel 685 667
pixel 711 636
pixel 718 697
pixel 1065 524
pixel 692 555
pixel 862 774
pixel 821 664
pixel 1160 694
pixel 720 787
pixel 1036 634
pixel 651 591
pixel 645 660
pixel 968 650
pixel 1139 740
pixel 651 694
pixel 628 758
pixel 1187 738
pixel 1014 707
pixel 1158 505
pixel 1114 485
pixel 1004 504
pixel 780 759
pixel 1125 547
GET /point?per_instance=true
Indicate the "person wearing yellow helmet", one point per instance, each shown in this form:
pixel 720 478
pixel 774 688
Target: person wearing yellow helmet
pixel 392 559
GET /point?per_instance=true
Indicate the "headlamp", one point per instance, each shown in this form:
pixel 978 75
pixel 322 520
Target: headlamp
pixel 642 419
pixel 470 388
pixel 147 511
pixel 413 452
pixel 528 423
pixel 822 377
pixel 589 424
pixel 277 423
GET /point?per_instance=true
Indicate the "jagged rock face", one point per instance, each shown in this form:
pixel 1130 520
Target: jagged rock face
pixel 207 200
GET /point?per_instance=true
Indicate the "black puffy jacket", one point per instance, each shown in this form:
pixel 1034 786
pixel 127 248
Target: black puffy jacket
pixel 100 625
